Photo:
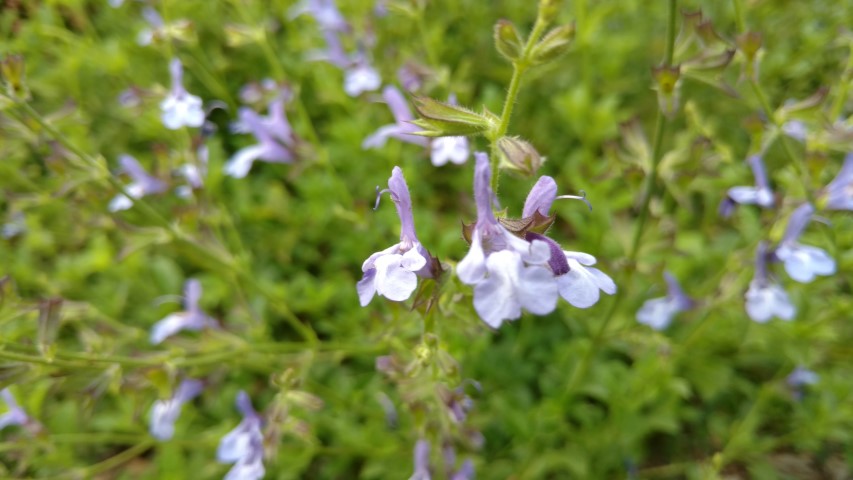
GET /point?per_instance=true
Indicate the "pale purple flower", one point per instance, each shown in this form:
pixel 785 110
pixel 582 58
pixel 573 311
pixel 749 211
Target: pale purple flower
pixel 421 470
pixel 579 283
pixel 15 415
pixel 802 262
pixel 760 194
pixel 658 312
pixel 392 273
pixel 402 128
pixel 142 184
pixel 156 28
pixel 164 413
pixel 508 273
pixel 180 108
pixel 839 192
pixel 765 299
pixel 16 225
pixel 465 472
pixel 442 149
pixel 193 318
pixel 274 134
pixel 800 378
pixel 361 77
pixel 244 446
pixel 325 12
pixel 795 129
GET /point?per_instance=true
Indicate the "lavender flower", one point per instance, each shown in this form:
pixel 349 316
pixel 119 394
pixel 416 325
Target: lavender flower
pixel 579 283
pixel 392 273
pixel 839 192
pixel 508 273
pixel 361 77
pixel 442 149
pixel 325 12
pixel 760 195
pixel 180 108
pixel 658 312
pixel 275 136
pixel 165 413
pixel 244 446
pixel 15 415
pixel 802 262
pixel 193 318
pixel 799 379
pixel 465 472
pixel 764 298
pixel 421 471
pixel 795 129
pixel 143 184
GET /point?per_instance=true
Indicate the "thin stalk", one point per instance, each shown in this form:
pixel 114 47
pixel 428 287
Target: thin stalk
pixel 649 191
pixel 841 95
pixel 112 462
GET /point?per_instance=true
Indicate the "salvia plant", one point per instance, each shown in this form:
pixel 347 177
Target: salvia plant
pixel 596 239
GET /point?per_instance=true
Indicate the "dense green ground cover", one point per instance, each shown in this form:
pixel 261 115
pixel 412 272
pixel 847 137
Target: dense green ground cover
pixel 577 393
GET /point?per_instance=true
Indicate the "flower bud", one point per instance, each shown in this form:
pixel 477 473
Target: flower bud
pixel 440 119
pixel 667 81
pixel 14 76
pixel 519 155
pixel 507 40
pixel 749 44
pixel 554 44
pixel 548 10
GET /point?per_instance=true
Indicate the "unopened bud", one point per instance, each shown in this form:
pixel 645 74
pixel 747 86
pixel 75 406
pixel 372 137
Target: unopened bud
pixel 548 10
pixel 667 84
pixel 507 40
pixel 519 155
pixel 553 44
pixel 440 119
pixel 749 43
pixel 14 76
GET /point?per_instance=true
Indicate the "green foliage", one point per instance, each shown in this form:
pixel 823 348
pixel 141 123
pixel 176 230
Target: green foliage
pixel 574 394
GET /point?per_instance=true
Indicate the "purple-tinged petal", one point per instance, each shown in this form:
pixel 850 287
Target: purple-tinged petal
pixel 192 295
pixel 797 223
pixel 403 202
pixel 472 269
pixel 758 171
pixel 168 326
pixel 795 129
pixel 541 197
pixel 392 281
pixel 361 78
pixel 397 104
pixel 421 454
pixel 413 260
pixel 582 258
pixel 495 298
pixel 482 190
pixel 657 312
pixel 764 302
pixel 802 376
pixel 15 415
pixel 465 472
pixel 840 189
pixel 452 149
pixel 537 290
pixel 674 291
pixel 804 262
pixel 242 161
pixel 557 259
pixel 366 287
pixel 580 287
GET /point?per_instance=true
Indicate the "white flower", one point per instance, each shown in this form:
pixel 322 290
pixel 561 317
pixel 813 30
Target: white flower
pixel 180 108
pixel 361 78
pixel 658 312
pixel 164 413
pixel 765 301
pixel 802 262
pixel 582 284
pixel 453 149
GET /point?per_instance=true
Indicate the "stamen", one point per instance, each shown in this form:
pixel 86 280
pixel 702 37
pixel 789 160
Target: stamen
pixel 574 197
pixel 379 196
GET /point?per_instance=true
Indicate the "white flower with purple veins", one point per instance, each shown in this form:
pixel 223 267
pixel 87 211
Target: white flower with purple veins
pixel 765 299
pixel 760 194
pixel 442 149
pixel 839 192
pixel 421 470
pixel 802 262
pixel 274 134
pixel 658 312
pixel 190 319
pixel 244 446
pixel 15 415
pixel 393 273
pixel 579 283
pixel 508 273
pixel 180 108
pixel 143 184
pixel 165 413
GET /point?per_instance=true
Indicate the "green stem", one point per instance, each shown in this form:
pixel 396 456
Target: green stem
pixel 843 87
pixel 518 68
pixel 112 462
pixel 580 371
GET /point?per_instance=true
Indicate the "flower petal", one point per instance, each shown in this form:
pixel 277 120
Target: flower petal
pixel 472 268
pixel 241 162
pixel 366 287
pixel 541 197
pixel 537 290
pixel 392 281
pixel 657 313
pixel 495 298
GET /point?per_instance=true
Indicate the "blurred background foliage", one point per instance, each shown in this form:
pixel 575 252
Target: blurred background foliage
pixel 559 397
